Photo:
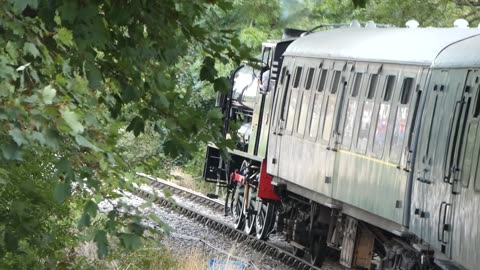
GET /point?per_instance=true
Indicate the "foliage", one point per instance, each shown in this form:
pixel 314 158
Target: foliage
pixel 152 255
pixel 73 75
pixel 308 13
pixel 78 77
pixel 33 226
pixel 438 13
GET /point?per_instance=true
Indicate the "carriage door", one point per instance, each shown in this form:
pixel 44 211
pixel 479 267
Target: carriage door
pixel 431 195
pixel 278 117
pixel 334 108
pixel 462 149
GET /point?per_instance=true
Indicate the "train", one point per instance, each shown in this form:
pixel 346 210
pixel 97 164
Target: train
pixel 363 140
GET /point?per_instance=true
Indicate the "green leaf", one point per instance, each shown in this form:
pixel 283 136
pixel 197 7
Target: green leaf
pixel 66 69
pixel 69 10
pixel 222 85
pixel 11 241
pixel 12 50
pixel 94 76
pixel 6 71
pixel 64 167
pixel 214 114
pixel 137 125
pixel 111 223
pixel 130 241
pixel 30 48
pixel 84 220
pixel 102 243
pixel 3 177
pixel 52 138
pixel 62 191
pixel 129 94
pixel 91 208
pixel 48 94
pixel 31 99
pixel 161 101
pixel 11 151
pixel 37 136
pixel 208 71
pixel 82 141
pixel 64 36
pixel 17 136
pixel 72 121
pixel 136 228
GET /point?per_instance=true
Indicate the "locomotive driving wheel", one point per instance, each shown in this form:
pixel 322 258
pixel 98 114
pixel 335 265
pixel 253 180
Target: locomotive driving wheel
pixel 251 213
pixel 264 220
pixel 237 207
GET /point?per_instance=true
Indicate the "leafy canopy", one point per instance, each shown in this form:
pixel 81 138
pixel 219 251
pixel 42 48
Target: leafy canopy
pixel 73 76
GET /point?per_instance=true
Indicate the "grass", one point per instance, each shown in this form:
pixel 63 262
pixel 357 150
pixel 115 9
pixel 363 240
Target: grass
pixel 181 178
pixel 153 256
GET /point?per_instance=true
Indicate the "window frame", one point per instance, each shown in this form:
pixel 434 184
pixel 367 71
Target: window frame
pixel 380 101
pixel 322 71
pixel 298 66
pixel 363 100
pixel 305 93
pixel 327 94
pixel 358 99
pixel 410 105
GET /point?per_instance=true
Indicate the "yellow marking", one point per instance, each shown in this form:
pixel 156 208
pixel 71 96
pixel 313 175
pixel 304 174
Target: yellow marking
pixel 376 160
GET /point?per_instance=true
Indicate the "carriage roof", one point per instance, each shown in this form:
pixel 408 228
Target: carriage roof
pixel 417 46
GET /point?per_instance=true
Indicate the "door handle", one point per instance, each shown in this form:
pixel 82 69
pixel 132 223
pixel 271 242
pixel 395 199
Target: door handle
pixel 442 226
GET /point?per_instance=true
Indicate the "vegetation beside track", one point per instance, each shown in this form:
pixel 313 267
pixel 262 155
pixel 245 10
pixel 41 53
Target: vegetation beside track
pixel 80 81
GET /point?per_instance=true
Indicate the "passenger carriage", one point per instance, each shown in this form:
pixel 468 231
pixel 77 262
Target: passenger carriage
pixel 371 148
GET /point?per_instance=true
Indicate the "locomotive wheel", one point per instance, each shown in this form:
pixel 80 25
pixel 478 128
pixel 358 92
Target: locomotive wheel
pixel 264 220
pixel 318 249
pixel 250 216
pixel 237 208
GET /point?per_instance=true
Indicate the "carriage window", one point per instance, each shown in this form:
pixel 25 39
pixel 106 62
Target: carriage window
pixel 349 123
pixel 476 112
pixel 468 158
pixel 477 174
pixel 298 75
pixel 389 88
pixel 285 96
pixel 282 77
pixel 356 84
pixel 327 126
pixel 381 129
pixel 308 84
pixel 291 110
pixel 372 86
pixel 303 113
pixel 315 122
pixel 399 133
pixel 364 126
pixel 336 80
pixel 323 79
pixel 406 90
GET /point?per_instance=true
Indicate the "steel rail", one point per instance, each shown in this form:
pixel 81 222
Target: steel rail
pixel 220 226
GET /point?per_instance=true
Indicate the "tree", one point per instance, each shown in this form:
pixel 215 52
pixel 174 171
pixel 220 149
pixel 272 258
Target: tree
pixel 471 10
pixel 72 75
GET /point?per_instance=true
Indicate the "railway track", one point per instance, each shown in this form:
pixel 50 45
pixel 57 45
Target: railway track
pixel 268 248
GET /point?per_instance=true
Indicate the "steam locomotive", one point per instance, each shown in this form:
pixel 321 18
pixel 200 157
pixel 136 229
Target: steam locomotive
pixel 360 139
